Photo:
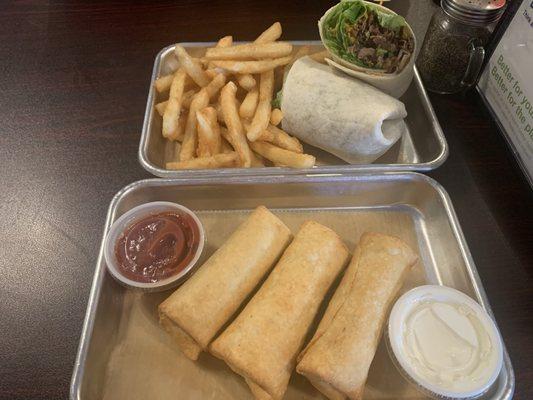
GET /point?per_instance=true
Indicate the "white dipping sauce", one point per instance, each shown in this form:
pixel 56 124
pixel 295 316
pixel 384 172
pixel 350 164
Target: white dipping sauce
pixel 445 341
pixel 448 345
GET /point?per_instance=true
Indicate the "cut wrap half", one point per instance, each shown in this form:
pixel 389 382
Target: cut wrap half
pixel 341 115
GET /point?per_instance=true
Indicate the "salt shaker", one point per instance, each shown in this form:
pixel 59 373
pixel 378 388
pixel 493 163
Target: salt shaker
pixel 453 50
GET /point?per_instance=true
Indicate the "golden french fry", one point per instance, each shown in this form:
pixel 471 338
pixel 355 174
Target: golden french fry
pixel 246 81
pixel 220 114
pixel 209 140
pixel 271 34
pixel 281 156
pixel 216 161
pixel 225 147
pixel 172 111
pixel 180 132
pixel 226 41
pixel 190 139
pixel 215 85
pixel 233 122
pixel 193 69
pixel 185 103
pixel 257 161
pixel 320 56
pixel 162 84
pixel 262 112
pixel 280 138
pixel 187 98
pixel 249 104
pixel 160 107
pixel 251 67
pixel 276 116
pixel 249 50
pixel 213 72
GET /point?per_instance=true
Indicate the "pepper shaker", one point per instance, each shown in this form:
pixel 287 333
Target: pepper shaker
pixel 453 50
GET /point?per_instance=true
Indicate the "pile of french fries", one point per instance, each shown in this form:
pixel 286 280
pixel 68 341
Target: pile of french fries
pixel 219 106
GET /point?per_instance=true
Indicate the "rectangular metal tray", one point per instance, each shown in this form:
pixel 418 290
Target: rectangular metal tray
pixel 123 352
pixel 423 148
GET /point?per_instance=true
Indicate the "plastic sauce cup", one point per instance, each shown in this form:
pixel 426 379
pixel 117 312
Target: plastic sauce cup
pixel 128 219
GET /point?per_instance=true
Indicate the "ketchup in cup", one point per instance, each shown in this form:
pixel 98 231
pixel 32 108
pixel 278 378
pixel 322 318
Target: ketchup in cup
pixel 157 247
pixel 152 243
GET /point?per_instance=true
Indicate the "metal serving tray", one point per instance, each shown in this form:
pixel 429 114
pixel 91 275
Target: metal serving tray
pixel 423 148
pixel 124 354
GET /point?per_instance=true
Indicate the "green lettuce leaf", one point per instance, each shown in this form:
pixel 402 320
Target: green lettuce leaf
pixel 391 21
pixel 347 12
pixel 276 101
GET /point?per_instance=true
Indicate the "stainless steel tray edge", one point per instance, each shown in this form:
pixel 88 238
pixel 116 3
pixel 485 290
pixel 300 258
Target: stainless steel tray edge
pixel 88 321
pixel 341 169
pixel 506 391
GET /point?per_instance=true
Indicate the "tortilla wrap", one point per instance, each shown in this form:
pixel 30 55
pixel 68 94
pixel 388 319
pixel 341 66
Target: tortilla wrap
pixel 339 114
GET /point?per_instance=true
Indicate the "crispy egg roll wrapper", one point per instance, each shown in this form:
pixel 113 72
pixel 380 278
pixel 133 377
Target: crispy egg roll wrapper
pixel 265 338
pixel 338 357
pixel 196 311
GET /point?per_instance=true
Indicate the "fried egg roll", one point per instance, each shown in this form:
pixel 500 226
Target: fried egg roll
pixel 196 311
pixel 338 357
pixel 265 338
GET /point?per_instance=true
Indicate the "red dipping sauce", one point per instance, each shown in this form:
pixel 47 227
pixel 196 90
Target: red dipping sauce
pixel 157 246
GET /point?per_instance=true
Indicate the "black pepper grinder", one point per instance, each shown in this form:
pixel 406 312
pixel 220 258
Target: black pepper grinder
pixel 453 50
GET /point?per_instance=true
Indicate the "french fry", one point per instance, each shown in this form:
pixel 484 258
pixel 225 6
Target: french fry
pixel 172 111
pixel 180 132
pixel 226 41
pixel 225 147
pixel 162 84
pixel 215 85
pixel 160 107
pixel 213 72
pixel 276 116
pixel 187 98
pixel 281 156
pixel 262 112
pixel 249 50
pixel 216 161
pixel 280 138
pixel 209 140
pixel 257 161
pixel 271 34
pixel 193 69
pixel 220 114
pixel 233 122
pixel 251 67
pixel 249 104
pixel 185 103
pixel 228 146
pixel 190 139
pixel 246 81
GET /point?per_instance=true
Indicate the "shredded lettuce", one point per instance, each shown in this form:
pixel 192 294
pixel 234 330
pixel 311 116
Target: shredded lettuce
pixel 347 12
pixel 276 101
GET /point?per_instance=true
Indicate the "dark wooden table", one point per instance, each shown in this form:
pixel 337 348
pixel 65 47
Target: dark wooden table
pixel 74 78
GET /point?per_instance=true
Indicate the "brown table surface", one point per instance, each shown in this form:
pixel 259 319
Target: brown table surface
pixel 74 79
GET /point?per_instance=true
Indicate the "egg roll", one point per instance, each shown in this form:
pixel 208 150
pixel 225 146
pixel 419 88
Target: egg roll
pixel 338 357
pixel 262 343
pixel 197 311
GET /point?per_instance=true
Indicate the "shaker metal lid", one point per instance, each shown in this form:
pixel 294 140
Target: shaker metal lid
pixel 474 11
